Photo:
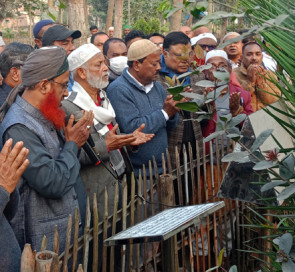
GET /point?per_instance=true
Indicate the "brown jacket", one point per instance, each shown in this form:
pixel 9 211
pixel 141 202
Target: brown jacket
pixel 175 136
pixel 259 98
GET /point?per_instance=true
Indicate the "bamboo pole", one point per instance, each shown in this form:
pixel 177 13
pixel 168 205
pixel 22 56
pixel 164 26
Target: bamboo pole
pixel 105 231
pixel 68 242
pixel 145 215
pixel 44 261
pixel 44 243
pixel 192 170
pixel 86 237
pixel 27 259
pixel 124 219
pixel 76 237
pixel 114 226
pixel 95 234
pixel 169 165
pixel 132 210
pixel 138 208
pixel 56 240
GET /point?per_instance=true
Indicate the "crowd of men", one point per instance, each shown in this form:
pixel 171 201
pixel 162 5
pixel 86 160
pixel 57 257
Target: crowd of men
pixel 75 120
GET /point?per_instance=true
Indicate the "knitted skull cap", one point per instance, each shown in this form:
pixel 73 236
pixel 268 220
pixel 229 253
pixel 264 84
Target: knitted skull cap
pixel 141 49
pixel 81 55
pixel 216 53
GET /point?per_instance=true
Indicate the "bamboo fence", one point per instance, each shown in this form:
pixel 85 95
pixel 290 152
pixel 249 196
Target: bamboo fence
pixel 194 182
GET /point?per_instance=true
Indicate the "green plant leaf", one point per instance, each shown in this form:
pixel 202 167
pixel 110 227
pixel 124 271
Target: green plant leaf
pixel 213 136
pixel 288 266
pixel 184 75
pixel 271 185
pixel 215 94
pixel 237 120
pixel 233 130
pixel 193 95
pixel 223 76
pixel 205 83
pixel 205 67
pixel 171 12
pixel 261 139
pixel 288 191
pixel 212 269
pixel 62 5
pixel 170 81
pixel 220 257
pixel 287 167
pixel 262 165
pixel 175 90
pixel 235 156
pixel 188 106
pixel 233 269
pixel 286 242
pixel 51 16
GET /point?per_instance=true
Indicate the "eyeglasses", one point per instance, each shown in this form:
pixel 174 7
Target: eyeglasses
pixel 181 56
pixel 210 47
pixel 159 44
pixel 64 86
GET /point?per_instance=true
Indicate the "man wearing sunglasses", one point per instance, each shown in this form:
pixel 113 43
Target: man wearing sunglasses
pixel 207 41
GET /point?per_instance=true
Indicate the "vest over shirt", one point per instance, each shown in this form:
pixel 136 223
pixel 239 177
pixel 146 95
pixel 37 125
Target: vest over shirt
pixel 49 186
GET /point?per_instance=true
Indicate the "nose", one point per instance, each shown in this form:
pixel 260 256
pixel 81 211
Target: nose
pixel 66 92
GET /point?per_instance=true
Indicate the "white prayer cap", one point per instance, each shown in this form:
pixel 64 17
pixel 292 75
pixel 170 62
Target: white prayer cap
pixel 235 34
pixel 2 43
pixel 216 53
pixel 81 55
pixel 194 40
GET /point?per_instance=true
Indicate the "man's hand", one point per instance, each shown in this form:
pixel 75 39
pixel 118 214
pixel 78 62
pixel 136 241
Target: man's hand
pixel 234 102
pixel 169 105
pixel 13 163
pixel 255 73
pixel 79 132
pixel 141 138
pixel 114 141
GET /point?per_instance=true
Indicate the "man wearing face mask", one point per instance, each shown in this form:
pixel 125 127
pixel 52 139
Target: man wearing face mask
pixel 115 52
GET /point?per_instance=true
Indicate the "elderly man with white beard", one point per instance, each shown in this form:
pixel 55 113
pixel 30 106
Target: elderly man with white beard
pixel 90 77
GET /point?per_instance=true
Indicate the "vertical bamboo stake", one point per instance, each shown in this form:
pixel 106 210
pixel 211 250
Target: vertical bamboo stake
pixel 179 183
pixel 199 200
pixel 105 231
pixel 192 169
pixel 215 240
pixel 168 162
pixel 197 249
pixel 68 242
pixel 44 261
pixel 56 240
pixel 138 208
pixel 114 227
pixel 157 178
pixel 86 235
pixel 95 234
pixel 163 163
pixel 243 236
pixel 145 214
pixel 76 237
pixel 27 259
pixel 80 268
pixel 238 236
pixel 185 169
pixel 124 219
pixel 132 210
pixel 44 243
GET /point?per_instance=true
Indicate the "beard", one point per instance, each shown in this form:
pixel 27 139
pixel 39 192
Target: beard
pixel 97 83
pixel 51 110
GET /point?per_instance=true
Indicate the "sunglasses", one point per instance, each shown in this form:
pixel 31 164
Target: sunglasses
pixel 210 47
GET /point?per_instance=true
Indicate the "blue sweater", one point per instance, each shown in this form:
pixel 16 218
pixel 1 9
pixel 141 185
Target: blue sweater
pixel 133 106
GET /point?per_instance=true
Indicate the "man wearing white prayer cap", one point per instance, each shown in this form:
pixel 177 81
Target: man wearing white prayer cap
pixel 90 75
pixel 233 50
pixel 233 99
pixel 207 41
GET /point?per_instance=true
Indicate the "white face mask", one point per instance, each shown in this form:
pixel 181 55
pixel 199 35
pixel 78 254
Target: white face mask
pixel 118 64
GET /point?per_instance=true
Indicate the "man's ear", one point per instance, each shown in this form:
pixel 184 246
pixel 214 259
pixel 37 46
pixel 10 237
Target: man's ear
pixel 45 86
pixel 15 74
pixel 136 65
pixel 38 42
pixel 165 53
pixel 81 72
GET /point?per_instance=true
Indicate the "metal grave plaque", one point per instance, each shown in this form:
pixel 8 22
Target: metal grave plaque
pixel 165 224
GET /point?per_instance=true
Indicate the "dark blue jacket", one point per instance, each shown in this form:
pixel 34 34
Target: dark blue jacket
pixel 133 106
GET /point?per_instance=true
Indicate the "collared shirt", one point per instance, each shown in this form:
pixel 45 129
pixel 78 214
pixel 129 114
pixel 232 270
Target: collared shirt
pixel 147 89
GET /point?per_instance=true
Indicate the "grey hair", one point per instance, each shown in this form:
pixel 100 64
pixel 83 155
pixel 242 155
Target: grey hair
pixel 84 66
pixel 14 55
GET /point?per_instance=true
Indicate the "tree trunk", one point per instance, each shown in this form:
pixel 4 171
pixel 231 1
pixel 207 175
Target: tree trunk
pixel 118 18
pixel 175 19
pixel 109 21
pixel 77 11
